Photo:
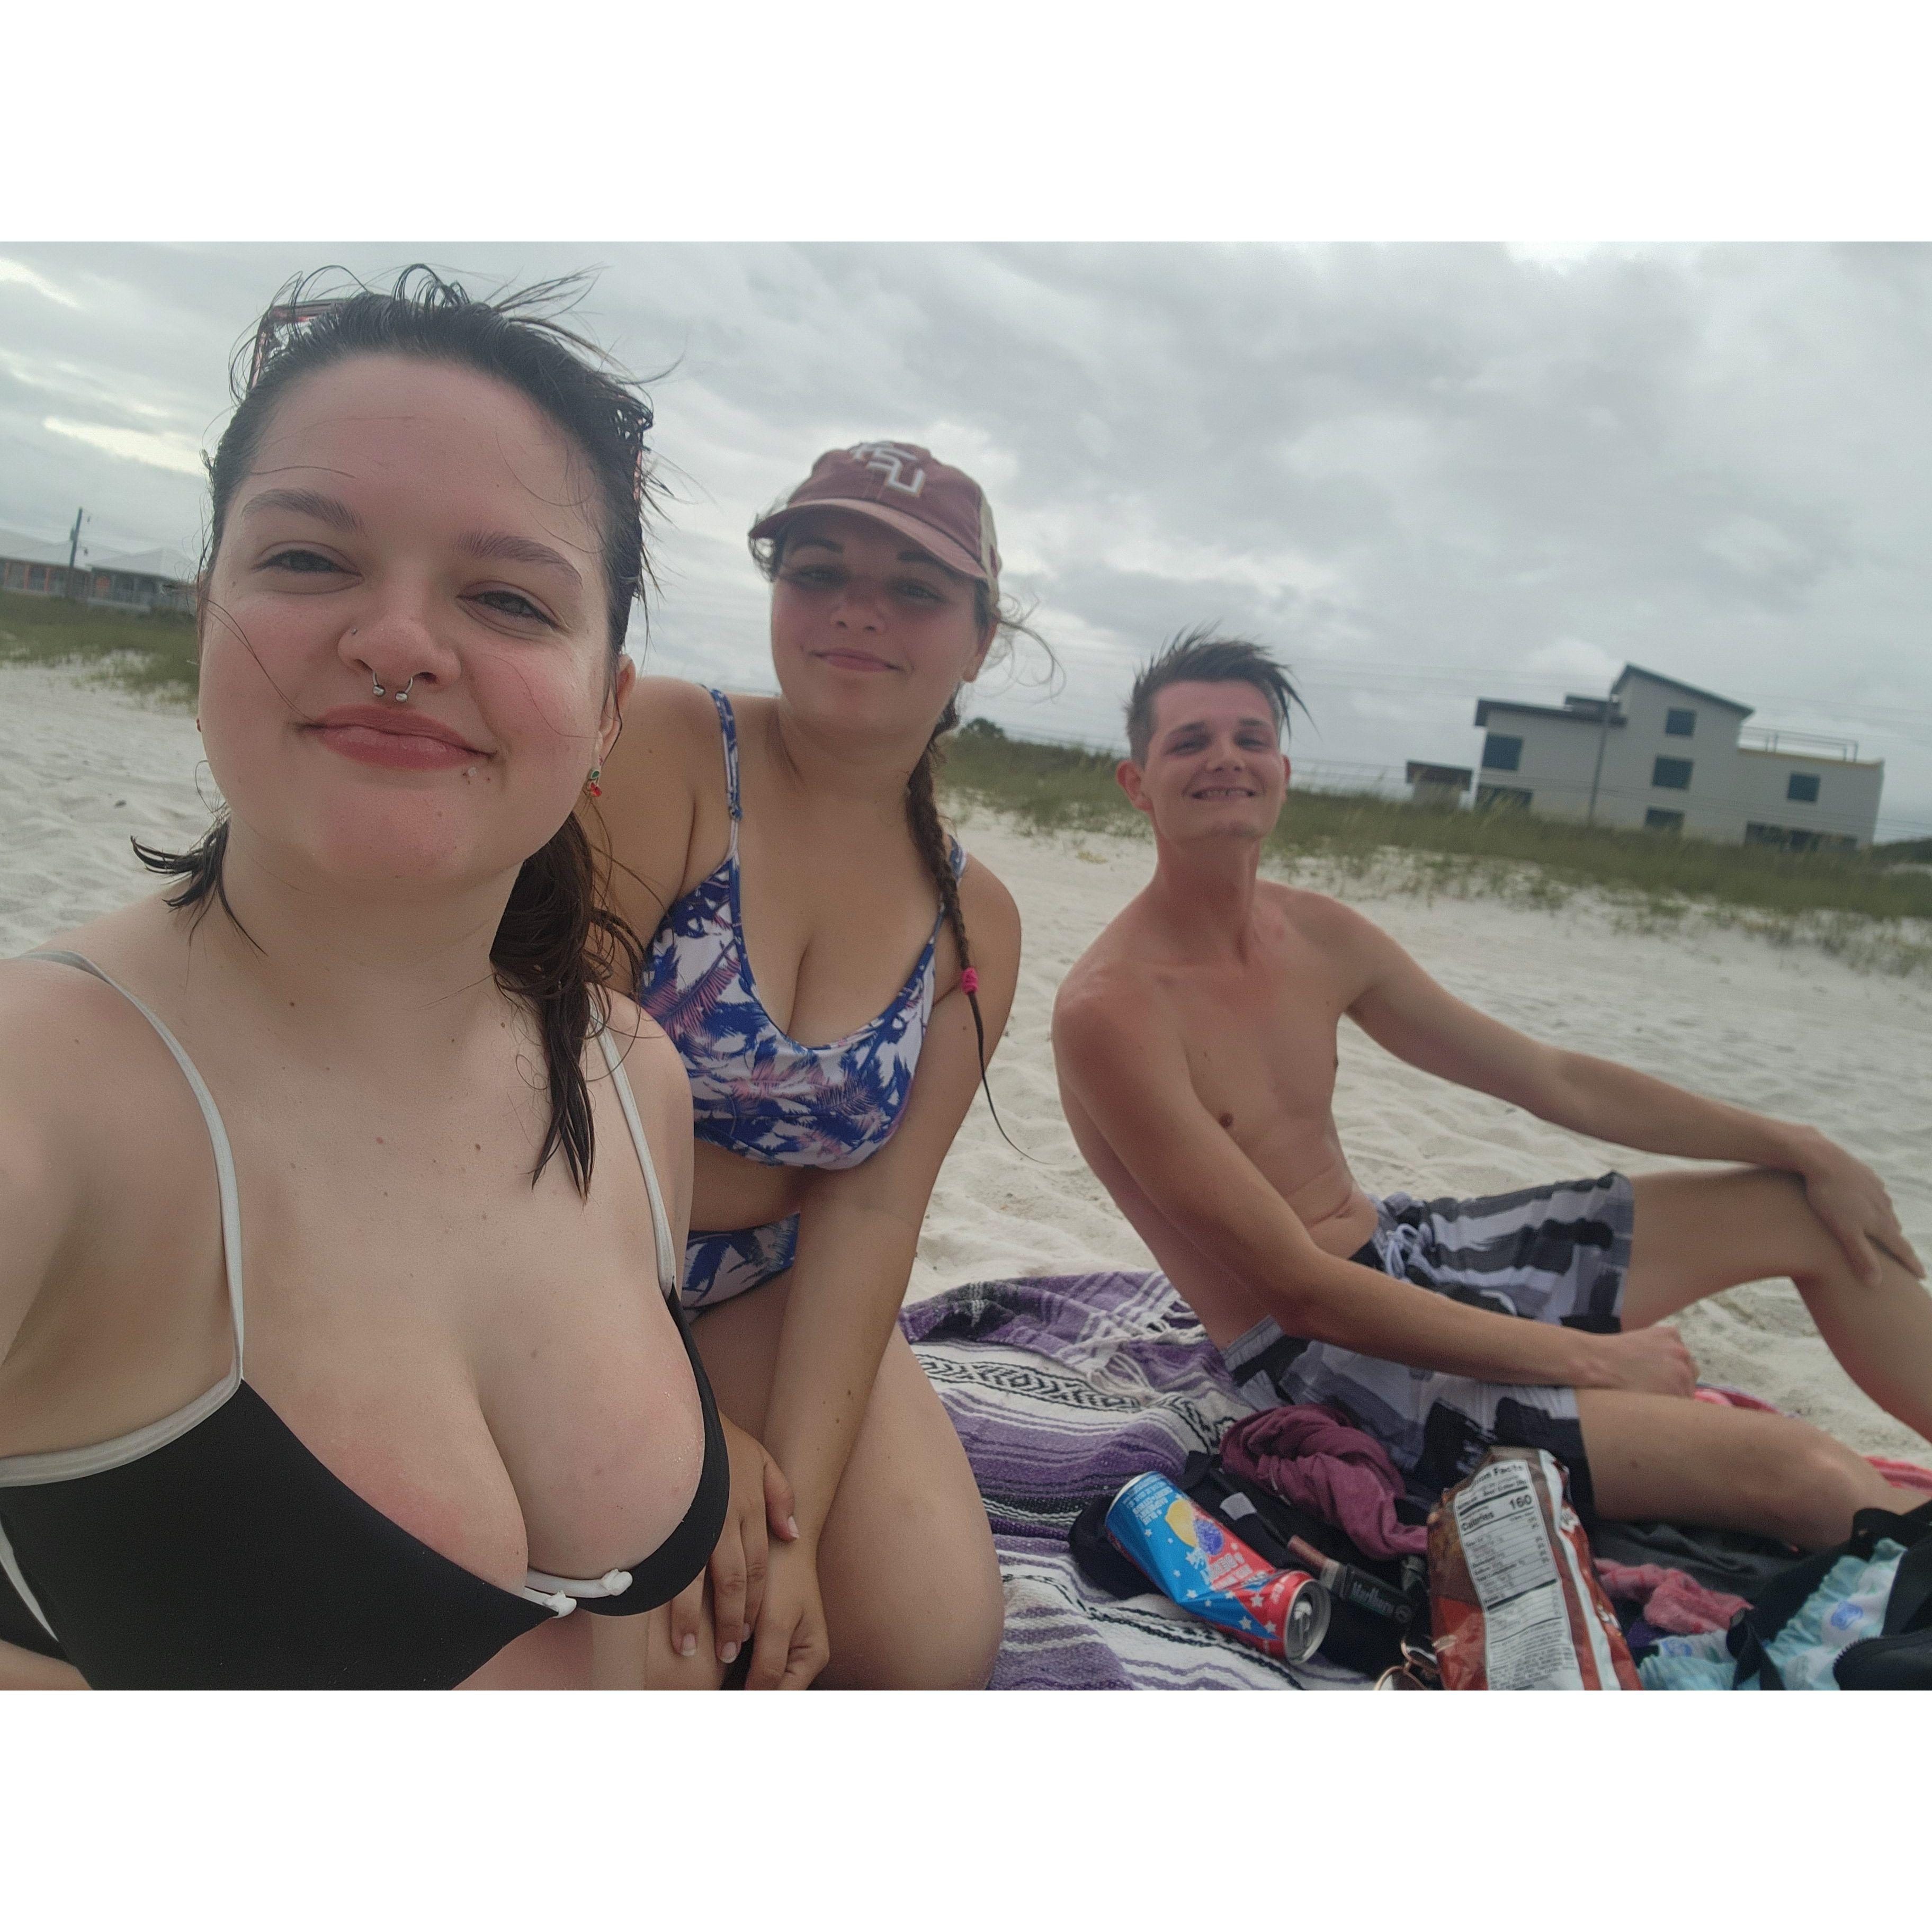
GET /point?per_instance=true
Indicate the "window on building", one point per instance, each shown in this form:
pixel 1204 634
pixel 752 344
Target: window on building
pixel 1501 754
pixel 1656 819
pixel 1671 774
pixel 1801 787
pixel 1502 798
pixel 1680 724
pixel 37 576
pixel 1788 838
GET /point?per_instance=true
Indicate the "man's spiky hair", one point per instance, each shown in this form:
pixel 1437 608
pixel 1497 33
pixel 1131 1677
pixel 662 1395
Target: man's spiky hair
pixel 1198 656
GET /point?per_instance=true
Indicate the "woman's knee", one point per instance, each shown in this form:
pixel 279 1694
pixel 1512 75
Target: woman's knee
pixel 921 1609
pixel 935 1639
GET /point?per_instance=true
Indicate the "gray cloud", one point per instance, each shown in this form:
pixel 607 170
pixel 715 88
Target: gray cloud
pixel 1422 471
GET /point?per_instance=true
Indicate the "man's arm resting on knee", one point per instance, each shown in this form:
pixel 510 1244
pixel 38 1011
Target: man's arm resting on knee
pixel 1130 1074
pixel 1405 1011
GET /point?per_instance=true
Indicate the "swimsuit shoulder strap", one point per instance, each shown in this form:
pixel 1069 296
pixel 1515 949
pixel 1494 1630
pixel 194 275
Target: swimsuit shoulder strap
pixel 955 853
pixel 728 723
pixel 668 1274
pixel 217 1136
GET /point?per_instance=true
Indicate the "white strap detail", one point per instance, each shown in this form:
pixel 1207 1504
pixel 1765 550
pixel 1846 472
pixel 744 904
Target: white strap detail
pixel 63 1465
pixel 612 1583
pixel 670 1276
pixel 562 1594
pixel 19 1583
pixel 217 1134
pixel 60 1465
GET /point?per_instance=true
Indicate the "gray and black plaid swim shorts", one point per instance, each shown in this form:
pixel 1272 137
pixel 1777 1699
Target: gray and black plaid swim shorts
pixel 1547 1254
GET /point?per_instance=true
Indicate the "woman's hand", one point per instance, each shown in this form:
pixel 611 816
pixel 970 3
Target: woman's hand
pixel 791 1649
pixel 761 1498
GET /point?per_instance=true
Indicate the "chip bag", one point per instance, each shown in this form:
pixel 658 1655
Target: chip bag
pixel 1514 1598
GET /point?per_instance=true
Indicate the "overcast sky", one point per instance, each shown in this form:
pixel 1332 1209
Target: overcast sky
pixel 1424 473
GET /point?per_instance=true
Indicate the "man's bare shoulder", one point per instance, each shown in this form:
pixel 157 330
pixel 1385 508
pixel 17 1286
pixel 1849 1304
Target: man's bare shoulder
pixel 1112 965
pixel 1109 990
pixel 1336 930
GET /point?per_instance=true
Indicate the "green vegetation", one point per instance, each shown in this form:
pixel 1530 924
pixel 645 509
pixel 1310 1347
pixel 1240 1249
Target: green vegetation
pixel 1848 904
pixel 155 655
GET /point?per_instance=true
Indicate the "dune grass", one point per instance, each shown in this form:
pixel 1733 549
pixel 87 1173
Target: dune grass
pixel 1851 904
pixel 1867 907
pixel 154 656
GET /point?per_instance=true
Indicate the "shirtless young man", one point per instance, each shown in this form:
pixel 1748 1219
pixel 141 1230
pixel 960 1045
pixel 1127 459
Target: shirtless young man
pixel 1196 1043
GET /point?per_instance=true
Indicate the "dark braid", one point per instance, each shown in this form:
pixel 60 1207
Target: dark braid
pixel 929 835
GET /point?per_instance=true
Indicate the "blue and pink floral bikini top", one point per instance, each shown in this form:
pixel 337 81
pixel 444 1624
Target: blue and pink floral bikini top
pixel 754 1090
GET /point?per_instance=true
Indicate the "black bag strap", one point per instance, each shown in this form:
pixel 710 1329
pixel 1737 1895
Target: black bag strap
pixel 1755 1627
pixel 1910 1606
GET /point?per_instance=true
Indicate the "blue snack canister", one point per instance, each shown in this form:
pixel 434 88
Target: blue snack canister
pixel 1197 1562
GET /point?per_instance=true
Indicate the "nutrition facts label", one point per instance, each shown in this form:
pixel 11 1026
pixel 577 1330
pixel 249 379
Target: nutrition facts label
pixel 1526 1644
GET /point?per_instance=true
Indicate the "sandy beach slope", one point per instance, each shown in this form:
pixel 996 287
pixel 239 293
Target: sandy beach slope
pixel 1792 1033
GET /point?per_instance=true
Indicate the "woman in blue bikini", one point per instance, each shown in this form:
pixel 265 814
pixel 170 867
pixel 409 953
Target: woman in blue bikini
pixel 835 974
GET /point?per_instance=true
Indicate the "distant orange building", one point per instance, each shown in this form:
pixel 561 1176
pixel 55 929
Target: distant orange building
pixel 149 579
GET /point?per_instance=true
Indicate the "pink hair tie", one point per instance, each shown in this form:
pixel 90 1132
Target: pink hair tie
pixel 969 980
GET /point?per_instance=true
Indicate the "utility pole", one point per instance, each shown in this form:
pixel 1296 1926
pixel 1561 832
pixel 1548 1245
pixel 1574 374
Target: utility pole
pixel 1603 739
pixel 73 549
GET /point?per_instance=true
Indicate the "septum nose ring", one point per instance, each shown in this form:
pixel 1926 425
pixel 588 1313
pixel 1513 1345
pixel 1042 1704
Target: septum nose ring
pixel 402 696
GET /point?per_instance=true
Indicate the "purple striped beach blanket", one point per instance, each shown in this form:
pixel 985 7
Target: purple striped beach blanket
pixel 1062 1387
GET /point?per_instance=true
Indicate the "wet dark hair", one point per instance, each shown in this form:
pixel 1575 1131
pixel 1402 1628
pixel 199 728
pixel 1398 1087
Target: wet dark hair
pixel 1200 656
pixel 1007 621
pixel 558 942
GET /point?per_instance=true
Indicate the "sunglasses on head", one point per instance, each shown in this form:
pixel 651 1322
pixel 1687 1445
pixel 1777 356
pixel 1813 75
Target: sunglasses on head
pixel 276 325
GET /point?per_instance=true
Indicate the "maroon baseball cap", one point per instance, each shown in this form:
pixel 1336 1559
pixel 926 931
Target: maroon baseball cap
pixel 908 490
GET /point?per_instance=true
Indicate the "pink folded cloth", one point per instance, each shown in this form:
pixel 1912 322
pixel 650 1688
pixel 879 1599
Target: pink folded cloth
pixel 1906 1475
pixel 1727 1397
pixel 1667 1599
pixel 1311 1455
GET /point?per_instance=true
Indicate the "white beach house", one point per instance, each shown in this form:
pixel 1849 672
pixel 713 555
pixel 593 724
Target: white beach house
pixel 1664 756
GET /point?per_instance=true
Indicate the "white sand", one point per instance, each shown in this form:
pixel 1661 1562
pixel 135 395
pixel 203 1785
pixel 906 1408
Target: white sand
pixel 82 771
pixel 1790 1032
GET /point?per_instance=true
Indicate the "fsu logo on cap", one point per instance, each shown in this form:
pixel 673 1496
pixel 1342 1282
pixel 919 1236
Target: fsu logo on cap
pixel 892 461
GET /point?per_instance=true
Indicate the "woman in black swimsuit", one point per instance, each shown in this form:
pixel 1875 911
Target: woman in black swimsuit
pixel 349 1090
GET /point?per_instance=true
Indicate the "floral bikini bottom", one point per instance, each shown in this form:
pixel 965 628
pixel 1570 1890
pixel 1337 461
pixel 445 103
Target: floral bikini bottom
pixel 717 1266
